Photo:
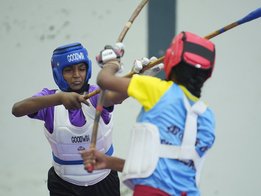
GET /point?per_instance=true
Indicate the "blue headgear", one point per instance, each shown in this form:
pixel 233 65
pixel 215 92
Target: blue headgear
pixel 68 55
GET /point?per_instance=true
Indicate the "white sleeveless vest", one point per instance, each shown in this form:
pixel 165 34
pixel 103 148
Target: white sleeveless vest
pixel 67 140
pixel 145 148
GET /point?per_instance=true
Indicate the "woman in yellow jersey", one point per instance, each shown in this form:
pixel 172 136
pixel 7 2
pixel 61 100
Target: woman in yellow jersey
pixel 174 128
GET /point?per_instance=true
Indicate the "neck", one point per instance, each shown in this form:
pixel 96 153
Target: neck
pixel 85 88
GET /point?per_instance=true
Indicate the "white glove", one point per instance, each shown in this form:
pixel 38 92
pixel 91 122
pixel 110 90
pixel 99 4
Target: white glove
pixel 110 53
pixel 139 64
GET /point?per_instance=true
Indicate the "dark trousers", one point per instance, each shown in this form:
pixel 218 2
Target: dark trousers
pixel 110 186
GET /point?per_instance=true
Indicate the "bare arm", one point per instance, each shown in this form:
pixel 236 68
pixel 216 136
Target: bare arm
pixel 115 163
pixel 101 161
pixel 34 104
pixel 107 80
pixel 112 98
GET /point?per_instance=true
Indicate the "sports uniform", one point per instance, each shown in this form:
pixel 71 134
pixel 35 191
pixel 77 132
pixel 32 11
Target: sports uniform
pixel 69 132
pixel 163 106
pixel 183 124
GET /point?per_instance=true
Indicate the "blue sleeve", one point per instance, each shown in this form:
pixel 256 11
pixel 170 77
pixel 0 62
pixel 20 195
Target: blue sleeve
pixel 206 132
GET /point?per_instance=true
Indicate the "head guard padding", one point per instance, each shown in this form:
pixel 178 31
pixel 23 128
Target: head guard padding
pixel 191 49
pixel 68 55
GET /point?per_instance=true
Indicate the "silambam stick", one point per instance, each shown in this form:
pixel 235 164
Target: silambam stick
pixel 99 107
pixel 249 17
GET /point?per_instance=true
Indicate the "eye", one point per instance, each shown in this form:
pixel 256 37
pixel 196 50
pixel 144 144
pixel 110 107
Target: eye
pixel 67 70
pixel 82 68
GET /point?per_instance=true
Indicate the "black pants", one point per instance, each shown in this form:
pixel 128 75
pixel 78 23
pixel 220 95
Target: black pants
pixel 110 186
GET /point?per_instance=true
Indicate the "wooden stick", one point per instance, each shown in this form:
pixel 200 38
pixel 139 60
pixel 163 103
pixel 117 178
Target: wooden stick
pixel 131 19
pixel 251 16
pixel 102 92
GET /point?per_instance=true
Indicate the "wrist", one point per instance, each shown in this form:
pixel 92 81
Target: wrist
pixel 114 65
pixel 59 97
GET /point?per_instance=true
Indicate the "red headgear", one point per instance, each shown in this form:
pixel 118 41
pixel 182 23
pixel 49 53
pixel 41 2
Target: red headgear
pixel 191 49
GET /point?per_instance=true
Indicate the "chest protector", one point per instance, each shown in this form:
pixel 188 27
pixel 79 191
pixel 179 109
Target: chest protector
pixel 145 147
pixel 68 140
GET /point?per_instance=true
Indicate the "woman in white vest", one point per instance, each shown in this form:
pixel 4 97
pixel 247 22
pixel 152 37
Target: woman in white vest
pixel 68 120
pixel 174 129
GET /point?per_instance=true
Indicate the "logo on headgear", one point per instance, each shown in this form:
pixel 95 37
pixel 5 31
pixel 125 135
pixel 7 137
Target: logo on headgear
pixel 75 57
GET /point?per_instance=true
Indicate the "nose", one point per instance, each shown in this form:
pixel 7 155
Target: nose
pixel 76 72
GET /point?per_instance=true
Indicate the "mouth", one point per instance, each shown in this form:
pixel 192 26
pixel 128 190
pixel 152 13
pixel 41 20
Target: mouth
pixel 76 84
pixel 76 81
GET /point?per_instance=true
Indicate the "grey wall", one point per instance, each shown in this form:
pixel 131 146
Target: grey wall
pixel 31 29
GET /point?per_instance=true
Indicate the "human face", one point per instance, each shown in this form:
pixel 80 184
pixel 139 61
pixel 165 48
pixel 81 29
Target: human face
pixel 75 75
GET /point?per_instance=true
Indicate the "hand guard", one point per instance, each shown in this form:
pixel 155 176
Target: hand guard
pixel 139 64
pixel 110 53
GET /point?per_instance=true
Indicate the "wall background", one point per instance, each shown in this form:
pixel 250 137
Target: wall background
pixel 31 29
